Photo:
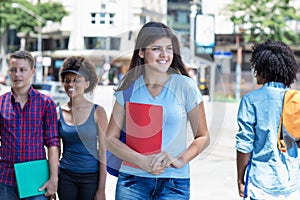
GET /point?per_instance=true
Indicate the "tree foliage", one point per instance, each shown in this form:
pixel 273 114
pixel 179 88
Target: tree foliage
pixel 52 11
pixel 264 19
pixel 24 22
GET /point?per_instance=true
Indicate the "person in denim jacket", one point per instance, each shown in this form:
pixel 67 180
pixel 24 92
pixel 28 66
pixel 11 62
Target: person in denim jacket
pixel 273 174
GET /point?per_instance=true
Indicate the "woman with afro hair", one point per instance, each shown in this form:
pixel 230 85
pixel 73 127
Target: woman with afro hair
pixel 272 174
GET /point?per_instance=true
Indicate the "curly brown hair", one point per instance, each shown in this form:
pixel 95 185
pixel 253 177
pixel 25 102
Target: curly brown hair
pixel 82 66
pixel 274 61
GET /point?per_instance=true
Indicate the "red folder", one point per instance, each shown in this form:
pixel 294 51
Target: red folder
pixel 143 128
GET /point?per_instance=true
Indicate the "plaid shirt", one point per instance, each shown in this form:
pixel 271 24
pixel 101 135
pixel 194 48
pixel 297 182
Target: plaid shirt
pixel 24 132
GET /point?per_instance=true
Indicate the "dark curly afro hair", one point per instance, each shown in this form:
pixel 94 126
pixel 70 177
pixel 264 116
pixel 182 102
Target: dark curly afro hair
pixel 274 61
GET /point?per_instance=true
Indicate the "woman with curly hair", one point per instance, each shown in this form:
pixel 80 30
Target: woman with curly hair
pixel 82 125
pixel 272 174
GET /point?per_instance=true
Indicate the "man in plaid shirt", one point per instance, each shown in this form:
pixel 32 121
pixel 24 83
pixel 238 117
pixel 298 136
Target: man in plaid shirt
pixel 28 122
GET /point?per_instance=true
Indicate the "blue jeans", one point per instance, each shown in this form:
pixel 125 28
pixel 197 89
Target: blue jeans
pixel 11 193
pixel 130 187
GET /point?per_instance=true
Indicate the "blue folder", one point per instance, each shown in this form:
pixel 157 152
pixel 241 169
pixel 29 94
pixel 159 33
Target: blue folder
pixel 31 176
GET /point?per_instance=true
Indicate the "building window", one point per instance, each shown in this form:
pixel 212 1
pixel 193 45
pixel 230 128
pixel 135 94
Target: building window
pixel 102 18
pixel 95 43
pixel 101 43
pixel 89 43
pixel 66 43
pixel 183 17
pixel 179 1
pixel 57 44
pixel 111 18
pixel 93 18
pixel 115 43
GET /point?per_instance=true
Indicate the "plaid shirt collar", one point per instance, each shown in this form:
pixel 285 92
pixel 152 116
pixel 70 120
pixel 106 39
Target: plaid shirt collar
pixel 30 93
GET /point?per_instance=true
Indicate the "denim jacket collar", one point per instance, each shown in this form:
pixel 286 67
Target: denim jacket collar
pixel 274 84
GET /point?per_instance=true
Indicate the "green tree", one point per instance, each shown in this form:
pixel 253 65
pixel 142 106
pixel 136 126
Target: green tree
pixel 264 19
pixel 52 11
pixel 24 22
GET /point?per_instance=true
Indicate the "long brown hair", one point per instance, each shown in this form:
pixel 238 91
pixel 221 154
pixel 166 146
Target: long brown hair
pixel 148 34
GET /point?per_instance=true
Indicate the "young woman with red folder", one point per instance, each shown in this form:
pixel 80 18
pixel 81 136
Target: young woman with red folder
pixel 160 79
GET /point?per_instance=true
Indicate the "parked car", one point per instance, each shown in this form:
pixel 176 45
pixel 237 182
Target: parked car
pixel 4 79
pixel 52 89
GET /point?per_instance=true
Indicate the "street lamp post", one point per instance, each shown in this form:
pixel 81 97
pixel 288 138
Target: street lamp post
pixel 39 69
pixel 193 14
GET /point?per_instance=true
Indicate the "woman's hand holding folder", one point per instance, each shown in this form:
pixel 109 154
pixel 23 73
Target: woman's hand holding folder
pixel 157 163
pixel 145 163
pixel 164 159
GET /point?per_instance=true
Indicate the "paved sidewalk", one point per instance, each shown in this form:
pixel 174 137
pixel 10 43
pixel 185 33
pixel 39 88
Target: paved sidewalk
pixel 214 177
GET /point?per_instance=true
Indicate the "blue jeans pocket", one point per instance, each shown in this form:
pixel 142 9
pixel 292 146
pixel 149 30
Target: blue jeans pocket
pixel 176 188
pixel 180 183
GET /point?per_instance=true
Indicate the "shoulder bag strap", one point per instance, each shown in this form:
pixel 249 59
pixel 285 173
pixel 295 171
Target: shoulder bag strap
pixel 127 92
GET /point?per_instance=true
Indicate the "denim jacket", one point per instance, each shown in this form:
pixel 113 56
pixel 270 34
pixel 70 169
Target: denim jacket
pixel 259 113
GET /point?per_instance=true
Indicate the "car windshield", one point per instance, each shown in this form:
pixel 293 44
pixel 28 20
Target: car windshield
pixel 42 87
pixel 53 90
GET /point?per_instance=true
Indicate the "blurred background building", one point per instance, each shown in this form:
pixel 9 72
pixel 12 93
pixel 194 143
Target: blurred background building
pixel 105 31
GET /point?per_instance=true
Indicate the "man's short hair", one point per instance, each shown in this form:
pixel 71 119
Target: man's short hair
pixel 21 54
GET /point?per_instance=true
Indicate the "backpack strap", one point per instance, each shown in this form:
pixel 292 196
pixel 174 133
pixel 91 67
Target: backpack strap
pixel 127 92
pixel 280 142
pixel 113 162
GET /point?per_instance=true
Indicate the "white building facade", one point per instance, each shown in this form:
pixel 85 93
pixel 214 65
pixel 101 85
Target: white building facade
pixel 103 30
